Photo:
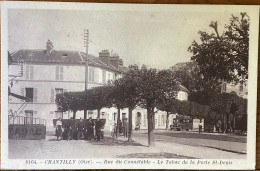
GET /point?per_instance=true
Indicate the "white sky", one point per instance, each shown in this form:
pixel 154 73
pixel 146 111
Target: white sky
pixel 157 39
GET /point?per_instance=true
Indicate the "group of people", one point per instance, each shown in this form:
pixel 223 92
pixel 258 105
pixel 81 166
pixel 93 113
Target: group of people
pixel 78 130
pixel 122 127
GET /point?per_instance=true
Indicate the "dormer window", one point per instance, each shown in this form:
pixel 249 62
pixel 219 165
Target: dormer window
pixel 64 55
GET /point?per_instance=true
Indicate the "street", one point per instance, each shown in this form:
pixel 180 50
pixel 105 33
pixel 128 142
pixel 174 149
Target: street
pixel 168 144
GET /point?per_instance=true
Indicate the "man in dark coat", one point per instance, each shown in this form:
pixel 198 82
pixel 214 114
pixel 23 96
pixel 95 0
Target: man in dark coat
pixel 98 127
pixel 73 128
pixel 90 129
pixel 80 128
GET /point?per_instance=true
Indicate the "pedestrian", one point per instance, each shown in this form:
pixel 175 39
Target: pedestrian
pixel 59 129
pixel 125 127
pixel 200 127
pixel 73 129
pixel 98 127
pixel 90 129
pixel 80 129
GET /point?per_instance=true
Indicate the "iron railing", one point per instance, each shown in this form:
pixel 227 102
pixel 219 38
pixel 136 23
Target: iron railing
pixel 21 120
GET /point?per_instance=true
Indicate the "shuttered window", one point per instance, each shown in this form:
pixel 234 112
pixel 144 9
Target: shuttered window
pixel 59 73
pixel 29 73
pixel 91 75
pixel 104 76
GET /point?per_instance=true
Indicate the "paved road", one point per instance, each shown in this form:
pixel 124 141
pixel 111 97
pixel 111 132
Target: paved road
pixel 168 145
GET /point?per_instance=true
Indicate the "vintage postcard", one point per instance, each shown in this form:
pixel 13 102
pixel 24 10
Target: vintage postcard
pixel 128 86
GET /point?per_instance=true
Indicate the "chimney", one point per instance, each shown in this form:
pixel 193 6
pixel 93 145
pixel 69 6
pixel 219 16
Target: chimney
pixel 144 67
pixel 114 60
pixel 121 62
pixel 104 56
pixel 49 47
pixel 135 67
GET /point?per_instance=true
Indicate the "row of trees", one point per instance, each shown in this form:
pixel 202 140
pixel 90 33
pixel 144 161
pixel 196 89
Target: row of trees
pixel 150 89
pixel 215 59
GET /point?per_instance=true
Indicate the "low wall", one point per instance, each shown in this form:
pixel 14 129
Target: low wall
pixel 26 132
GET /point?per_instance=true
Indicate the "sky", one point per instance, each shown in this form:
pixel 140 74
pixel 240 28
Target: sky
pixel 156 39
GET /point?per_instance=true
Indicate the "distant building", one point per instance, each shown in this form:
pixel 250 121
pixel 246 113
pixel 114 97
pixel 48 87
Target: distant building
pixel 241 89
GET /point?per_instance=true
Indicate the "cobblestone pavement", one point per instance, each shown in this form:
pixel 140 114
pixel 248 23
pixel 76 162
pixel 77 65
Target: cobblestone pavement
pixel 168 145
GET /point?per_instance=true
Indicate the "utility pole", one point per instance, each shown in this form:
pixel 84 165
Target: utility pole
pixel 86 42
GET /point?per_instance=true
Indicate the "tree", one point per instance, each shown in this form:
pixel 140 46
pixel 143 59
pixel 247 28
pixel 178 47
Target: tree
pixel 70 101
pixel 97 98
pixel 116 96
pixel 155 86
pixel 226 104
pixel 129 85
pixel 223 57
pixel 200 89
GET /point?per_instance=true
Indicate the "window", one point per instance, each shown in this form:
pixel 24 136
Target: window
pixel 123 116
pixel 54 92
pixel 91 75
pixel 29 74
pixel 104 77
pixel 58 114
pixel 58 90
pixel 31 94
pixel 59 73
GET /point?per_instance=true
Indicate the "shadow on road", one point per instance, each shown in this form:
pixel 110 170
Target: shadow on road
pixel 154 155
pixel 114 142
pixel 192 135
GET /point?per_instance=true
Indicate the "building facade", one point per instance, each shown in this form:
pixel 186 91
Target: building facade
pixel 48 72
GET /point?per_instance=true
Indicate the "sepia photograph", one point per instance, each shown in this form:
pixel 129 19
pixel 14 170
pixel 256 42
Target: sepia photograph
pixel 124 86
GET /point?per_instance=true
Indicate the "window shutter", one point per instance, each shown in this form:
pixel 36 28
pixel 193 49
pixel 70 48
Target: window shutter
pixel 35 95
pixel 57 73
pixel 61 73
pixel 52 95
pixel 31 72
pixel 22 94
pixel 93 74
pixel 27 72
pixel 104 77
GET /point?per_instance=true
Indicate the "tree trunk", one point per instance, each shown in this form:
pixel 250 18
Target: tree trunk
pixel 225 123
pixel 74 114
pixel 167 121
pixel 98 115
pixel 118 119
pixel 150 118
pixel 85 114
pixel 130 110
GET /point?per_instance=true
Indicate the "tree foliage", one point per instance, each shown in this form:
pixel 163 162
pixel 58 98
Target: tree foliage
pixel 223 57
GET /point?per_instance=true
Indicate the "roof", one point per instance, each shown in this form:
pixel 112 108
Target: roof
pixel 182 88
pixel 61 57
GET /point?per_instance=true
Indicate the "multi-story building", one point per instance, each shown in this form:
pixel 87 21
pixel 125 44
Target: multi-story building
pixel 49 72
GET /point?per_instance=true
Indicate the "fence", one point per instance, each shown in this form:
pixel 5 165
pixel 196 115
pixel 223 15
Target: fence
pixel 21 120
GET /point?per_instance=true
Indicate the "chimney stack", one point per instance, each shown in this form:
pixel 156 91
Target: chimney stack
pixel 114 60
pixel 49 47
pixel 104 56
